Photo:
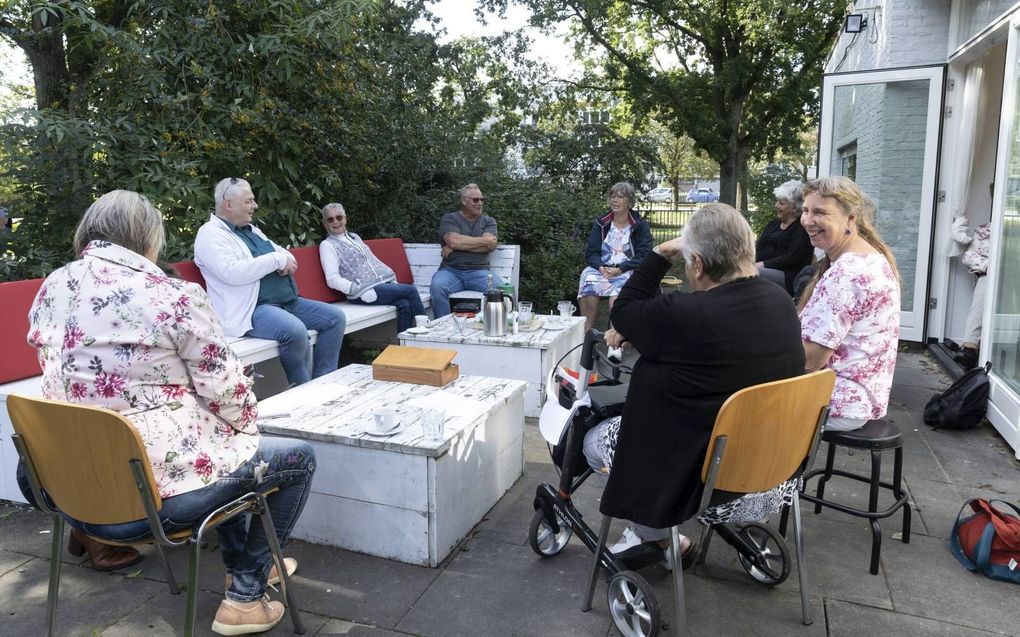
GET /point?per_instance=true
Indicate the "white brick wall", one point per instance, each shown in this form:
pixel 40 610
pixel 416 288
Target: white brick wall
pixel 899 33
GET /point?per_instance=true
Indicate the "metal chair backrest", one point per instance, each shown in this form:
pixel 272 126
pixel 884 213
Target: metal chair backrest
pixel 82 458
pixel 768 431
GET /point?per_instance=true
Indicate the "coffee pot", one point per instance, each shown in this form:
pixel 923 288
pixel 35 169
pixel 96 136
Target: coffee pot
pixel 494 313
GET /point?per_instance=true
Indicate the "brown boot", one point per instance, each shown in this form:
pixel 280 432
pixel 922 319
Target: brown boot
pixel 244 618
pixel 104 557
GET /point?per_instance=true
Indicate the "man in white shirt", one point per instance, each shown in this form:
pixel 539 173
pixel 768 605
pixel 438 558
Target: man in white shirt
pixel 351 267
pixel 251 287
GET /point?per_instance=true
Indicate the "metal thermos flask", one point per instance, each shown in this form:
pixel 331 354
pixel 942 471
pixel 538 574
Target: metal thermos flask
pixel 494 313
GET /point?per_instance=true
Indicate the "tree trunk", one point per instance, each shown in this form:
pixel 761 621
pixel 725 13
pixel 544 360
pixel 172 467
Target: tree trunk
pixel 45 52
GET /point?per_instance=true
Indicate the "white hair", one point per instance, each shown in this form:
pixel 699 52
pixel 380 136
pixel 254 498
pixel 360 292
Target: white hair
pixel 123 217
pixel 791 191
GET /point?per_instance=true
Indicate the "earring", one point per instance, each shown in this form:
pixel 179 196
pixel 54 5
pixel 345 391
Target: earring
pixel 848 230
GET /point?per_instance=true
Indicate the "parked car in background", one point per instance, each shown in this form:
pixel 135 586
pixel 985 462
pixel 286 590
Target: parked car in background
pixel 702 195
pixel 659 194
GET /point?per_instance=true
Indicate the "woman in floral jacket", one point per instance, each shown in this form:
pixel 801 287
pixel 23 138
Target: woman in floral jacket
pixel 850 311
pixel 114 331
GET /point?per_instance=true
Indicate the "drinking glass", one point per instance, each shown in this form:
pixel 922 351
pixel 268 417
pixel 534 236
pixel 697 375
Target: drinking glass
pixel 432 424
pixel 524 308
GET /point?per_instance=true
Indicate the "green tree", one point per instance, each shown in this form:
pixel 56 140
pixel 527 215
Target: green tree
pixel 736 76
pixel 679 157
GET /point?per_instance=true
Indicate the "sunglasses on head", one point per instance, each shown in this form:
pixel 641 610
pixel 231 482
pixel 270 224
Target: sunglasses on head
pixel 233 182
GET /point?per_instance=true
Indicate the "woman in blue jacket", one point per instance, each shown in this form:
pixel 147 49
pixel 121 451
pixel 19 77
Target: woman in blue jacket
pixel 618 242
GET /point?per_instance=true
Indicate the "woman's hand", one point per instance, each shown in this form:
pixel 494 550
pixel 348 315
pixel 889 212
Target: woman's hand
pixel 609 271
pixel 615 339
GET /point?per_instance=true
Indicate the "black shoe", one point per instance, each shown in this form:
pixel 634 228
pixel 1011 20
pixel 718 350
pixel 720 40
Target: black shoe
pixel 966 358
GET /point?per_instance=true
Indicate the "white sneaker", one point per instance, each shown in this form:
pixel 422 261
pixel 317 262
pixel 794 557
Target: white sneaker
pixel 628 540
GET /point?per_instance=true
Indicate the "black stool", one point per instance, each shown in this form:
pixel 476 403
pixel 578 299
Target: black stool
pixel 876 436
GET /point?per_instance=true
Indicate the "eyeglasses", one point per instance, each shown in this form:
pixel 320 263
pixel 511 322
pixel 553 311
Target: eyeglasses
pixel 233 182
pixel 335 219
pixel 477 199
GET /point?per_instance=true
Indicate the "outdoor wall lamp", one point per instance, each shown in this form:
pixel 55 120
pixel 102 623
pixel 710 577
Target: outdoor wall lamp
pixel 855 23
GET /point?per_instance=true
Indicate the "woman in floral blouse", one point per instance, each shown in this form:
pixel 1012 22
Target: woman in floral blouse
pixel 114 331
pixel 850 311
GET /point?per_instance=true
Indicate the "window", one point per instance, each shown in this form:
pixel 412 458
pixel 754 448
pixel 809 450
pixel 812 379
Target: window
pixel 848 161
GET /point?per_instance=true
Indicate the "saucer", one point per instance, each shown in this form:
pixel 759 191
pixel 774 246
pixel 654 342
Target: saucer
pixel 554 326
pixel 417 330
pixel 392 432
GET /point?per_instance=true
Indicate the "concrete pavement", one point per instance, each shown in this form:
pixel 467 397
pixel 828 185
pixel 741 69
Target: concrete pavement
pixel 495 585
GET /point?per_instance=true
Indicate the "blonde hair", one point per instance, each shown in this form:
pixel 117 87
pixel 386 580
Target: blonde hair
pixel 853 201
pixel 123 217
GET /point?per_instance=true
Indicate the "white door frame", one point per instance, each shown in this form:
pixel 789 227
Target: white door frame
pixel 1003 402
pixel 912 320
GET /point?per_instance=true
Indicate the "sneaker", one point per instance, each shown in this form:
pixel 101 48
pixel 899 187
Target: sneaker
pixel 274 576
pixel 245 618
pixel 628 540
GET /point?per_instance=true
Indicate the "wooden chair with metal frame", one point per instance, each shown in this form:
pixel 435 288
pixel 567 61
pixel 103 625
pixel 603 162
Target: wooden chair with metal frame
pixel 92 466
pixel 763 436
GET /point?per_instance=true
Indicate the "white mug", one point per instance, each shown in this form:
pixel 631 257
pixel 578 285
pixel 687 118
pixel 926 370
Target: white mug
pixel 420 320
pixel 385 419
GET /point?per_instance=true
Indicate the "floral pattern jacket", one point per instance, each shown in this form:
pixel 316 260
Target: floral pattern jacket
pixel 855 311
pixel 114 331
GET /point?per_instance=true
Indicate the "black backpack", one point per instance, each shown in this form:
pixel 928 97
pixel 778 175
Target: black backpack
pixel 963 404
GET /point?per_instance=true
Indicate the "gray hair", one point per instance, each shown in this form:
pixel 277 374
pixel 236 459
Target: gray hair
pixel 330 207
pixel 125 218
pixel 623 189
pixel 723 239
pixel 790 191
pixel 223 186
pixel 462 193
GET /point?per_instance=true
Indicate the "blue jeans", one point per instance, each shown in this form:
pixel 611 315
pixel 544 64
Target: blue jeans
pixel 243 547
pixel 447 281
pixel 404 296
pixel 289 325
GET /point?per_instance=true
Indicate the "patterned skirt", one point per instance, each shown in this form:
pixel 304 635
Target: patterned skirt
pixel 749 507
pixel 592 283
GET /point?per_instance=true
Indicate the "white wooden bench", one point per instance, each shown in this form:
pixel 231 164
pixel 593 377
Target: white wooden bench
pixel 504 261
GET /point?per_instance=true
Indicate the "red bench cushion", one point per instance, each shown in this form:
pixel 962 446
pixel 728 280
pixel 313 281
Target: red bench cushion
pixel 19 358
pixel 311 282
pixel 392 253
pixel 188 271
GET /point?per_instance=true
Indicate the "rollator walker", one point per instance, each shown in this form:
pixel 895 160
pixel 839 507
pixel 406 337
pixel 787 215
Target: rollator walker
pixel 574 407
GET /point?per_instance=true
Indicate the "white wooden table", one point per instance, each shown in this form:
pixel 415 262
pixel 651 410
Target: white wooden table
pixel 527 356
pixel 401 497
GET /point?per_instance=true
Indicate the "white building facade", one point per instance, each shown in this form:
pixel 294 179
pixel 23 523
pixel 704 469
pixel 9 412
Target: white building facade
pixel 920 107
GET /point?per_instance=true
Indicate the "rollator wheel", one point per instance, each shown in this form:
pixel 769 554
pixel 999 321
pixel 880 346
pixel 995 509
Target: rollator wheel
pixel 771 565
pixel 542 538
pixel 633 605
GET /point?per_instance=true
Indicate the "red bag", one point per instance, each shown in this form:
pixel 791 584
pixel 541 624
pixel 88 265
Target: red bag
pixel 989 540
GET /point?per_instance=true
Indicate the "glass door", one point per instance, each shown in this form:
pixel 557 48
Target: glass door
pixel 1001 346
pixel 881 129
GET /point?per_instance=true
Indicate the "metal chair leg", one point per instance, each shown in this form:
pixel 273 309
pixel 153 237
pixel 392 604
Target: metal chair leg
pixel 798 542
pixel 876 529
pixel 603 534
pixel 194 548
pixel 54 588
pixel 898 492
pixel 678 582
pixel 830 459
pixel 274 547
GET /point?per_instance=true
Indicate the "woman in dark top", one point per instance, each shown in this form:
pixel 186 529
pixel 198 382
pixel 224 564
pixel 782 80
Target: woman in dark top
pixel 783 249
pixel 696 350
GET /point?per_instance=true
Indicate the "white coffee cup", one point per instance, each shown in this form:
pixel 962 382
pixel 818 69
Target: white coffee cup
pixel 385 419
pixel 420 320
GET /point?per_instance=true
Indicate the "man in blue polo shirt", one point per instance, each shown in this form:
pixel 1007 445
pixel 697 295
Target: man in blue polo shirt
pixel 251 287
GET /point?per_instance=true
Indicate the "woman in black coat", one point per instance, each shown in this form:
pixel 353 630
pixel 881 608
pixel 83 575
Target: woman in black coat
pixel 784 249
pixel 696 350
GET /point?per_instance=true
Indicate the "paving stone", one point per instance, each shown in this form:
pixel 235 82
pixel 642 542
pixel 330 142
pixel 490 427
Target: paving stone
pixel 929 582
pixel 341 627
pixel 846 620
pixel 497 589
